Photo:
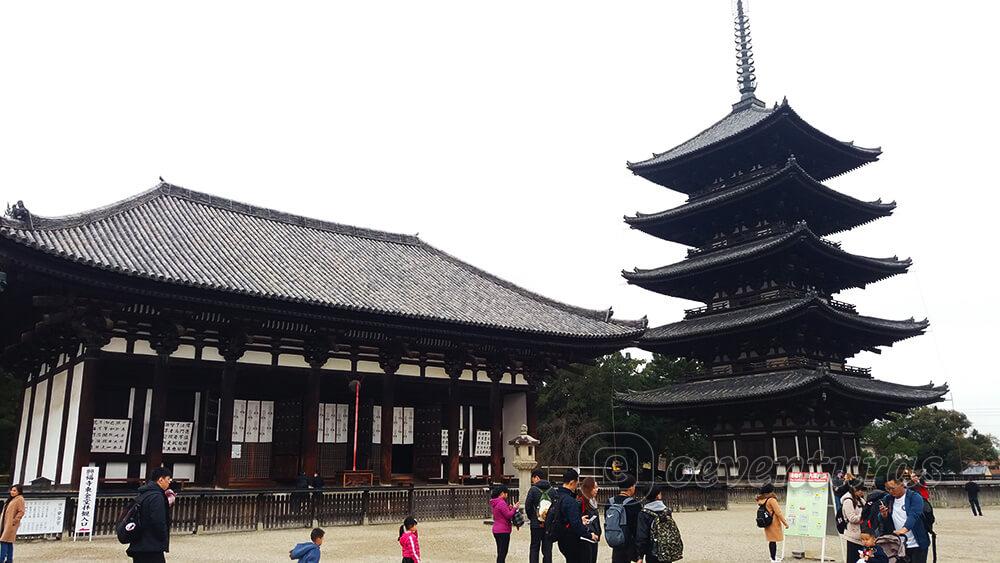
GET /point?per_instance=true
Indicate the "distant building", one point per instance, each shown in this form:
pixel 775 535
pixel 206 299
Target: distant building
pixel 772 341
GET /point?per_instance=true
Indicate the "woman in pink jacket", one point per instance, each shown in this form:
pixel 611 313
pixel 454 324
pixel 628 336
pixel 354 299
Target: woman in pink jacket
pixel 408 541
pixel 502 513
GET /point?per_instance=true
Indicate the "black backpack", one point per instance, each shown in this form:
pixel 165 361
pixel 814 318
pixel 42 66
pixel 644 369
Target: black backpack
pixel 841 521
pixel 555 520
pixel 128 526
pixel 764 517
pixel 928 516
pixel 869 512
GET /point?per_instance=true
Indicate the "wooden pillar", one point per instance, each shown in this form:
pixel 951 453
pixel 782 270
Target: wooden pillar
pixel 531 416
pixel 85 419
pixel 224 445
pixel 495 373
pixel 389 360
pixel 157 412
pixel 454 446
pixel 310 426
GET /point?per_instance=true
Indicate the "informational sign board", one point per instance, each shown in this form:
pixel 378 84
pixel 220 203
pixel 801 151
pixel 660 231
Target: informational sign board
pixel 237 451
pixel 86 502
pixel 397 425
pixel 177 437
pixel 408 414
pixel 377 424
pixel 252 434
pixel 341 426
pixel 444 440
pixel 43 516
pixel 110 435
pixel 806 504
pixel 482 443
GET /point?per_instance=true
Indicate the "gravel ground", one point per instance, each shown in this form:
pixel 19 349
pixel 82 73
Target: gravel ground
pixel 708 537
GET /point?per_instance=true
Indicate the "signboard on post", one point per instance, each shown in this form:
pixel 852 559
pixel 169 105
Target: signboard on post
pixel 42 516
pixel 86 502
pixel 805 505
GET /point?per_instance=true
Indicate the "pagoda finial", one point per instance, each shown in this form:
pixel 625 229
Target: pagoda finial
pixel 744 58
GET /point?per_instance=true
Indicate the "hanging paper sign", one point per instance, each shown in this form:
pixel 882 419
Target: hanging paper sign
pixel 444 440
pixel 482 443
pixel 397 425
pixel 252 434
pixel 266 421
pixel 377 424
pixel 177 437
pixel 329 423
pixel 407 425
pixel 239 420
pixel 110 435
pixel 237 451
pixel 86 500
pixel 42 516
pixel 341 434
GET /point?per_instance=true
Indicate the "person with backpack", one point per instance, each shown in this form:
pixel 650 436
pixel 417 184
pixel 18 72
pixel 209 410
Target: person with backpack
pixel 901 513
pixel 564 524
pixel 151 535
pixel 10 521
pixel 502 515
pixel 869 514
pixel 770 517
pixel 587 495
pixel 620 519
pixel 852 505
pixel 536 506
pixel 657 538
pixel 972 490
pixel 308 552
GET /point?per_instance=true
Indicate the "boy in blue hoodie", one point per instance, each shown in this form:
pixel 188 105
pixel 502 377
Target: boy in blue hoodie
pixel 308 552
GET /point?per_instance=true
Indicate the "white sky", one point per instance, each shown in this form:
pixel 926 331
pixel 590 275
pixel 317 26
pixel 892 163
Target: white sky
pixel 500 132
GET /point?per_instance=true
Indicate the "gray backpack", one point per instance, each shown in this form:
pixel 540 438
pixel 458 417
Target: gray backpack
pixel 615 521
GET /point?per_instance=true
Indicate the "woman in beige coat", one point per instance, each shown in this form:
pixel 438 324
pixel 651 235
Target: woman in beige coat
pixel 852 504
pixel 776 531
pixel 10 520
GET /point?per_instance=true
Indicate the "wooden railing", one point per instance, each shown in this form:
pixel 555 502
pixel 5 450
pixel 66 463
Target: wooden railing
pixel 759 298
pixel 774 364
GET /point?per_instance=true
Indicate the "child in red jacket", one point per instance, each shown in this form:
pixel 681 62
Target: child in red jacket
pixel 408 540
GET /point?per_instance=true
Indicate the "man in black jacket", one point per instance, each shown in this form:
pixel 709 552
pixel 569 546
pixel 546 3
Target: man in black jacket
pixel 154 520
pixel 632 506
pixel 570 520
pixel 972 489
pixel 531 504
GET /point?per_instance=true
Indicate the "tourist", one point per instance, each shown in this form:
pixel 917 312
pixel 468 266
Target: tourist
pixel 852 504
pixel 10 519
pixel 308 552
pixel 587 495
pixel 918 483
pixel 153 539
pixel 972 489
pixel 502 514
pixel 565 524
pixel 536 507
pixel 409 543
pixel 317 481
pixel 870 515
pixel 839 483
pixel 869 552
pixel 657 539
pixel 623 512
pixel 775 532
pixel 901 514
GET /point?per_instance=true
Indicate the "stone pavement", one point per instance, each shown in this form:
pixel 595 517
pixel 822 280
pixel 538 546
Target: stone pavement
pixel 708 537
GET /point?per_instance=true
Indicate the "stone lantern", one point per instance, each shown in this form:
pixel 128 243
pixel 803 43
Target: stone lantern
pixel 524 460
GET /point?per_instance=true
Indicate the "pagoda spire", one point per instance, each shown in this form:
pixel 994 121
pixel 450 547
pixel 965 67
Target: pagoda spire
pixel 744 58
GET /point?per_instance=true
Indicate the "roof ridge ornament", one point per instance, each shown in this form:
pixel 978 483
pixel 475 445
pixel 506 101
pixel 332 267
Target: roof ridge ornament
pixel 744 59
pixel 19 212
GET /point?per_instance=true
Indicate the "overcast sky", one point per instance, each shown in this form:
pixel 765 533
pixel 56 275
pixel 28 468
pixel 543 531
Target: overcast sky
pixel 499 132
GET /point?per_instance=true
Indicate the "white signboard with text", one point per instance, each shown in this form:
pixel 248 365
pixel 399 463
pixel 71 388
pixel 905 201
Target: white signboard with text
pixel 377 424
pixel 42 516
pixel 239 420
pixel 110 435
pixel 482 443
pixel 177 437
pixel 86 502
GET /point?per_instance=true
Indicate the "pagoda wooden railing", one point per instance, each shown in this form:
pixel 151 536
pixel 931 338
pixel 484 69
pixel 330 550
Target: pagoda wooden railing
pixel 777 364
pixel 749 235
pixel 760 298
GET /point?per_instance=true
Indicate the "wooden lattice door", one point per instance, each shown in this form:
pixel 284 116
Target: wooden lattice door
pixel 286 439
pixel 427 442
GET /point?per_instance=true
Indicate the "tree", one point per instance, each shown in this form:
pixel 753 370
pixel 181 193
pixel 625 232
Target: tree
pixel 576 408
pixel 929 433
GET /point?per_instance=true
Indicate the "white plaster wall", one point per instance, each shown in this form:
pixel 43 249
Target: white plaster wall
pixel 515 413
pixel 34 443
pixel 22 433
pixel 52 433
pixel 71 425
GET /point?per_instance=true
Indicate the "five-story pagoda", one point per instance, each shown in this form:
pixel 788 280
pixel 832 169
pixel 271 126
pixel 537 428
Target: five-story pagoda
pixel 771 341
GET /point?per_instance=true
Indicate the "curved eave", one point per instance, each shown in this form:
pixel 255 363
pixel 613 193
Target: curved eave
pixel 651 222
pixel 761 316
pixel 799 238
pixel 769 387
pixel 657 168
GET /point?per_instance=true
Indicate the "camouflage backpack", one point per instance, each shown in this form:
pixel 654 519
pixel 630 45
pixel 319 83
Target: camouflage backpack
pixel 666 537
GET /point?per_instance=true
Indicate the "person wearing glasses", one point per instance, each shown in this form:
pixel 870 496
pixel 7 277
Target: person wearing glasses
pixel 154 516
pixel 901 513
